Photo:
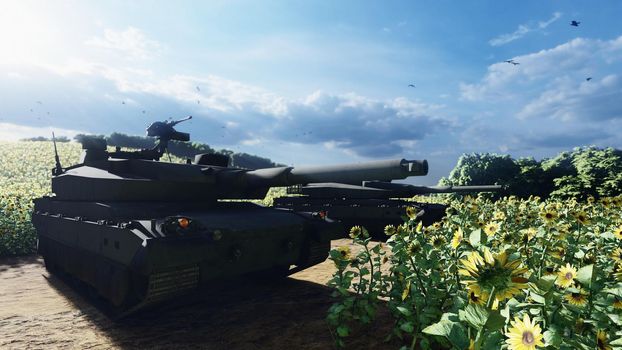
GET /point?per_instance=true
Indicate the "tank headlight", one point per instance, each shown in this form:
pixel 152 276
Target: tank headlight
pixel 183 222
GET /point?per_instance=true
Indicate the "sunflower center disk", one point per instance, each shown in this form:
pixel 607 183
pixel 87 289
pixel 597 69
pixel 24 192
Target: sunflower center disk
pixel 495 277
pixel 528 338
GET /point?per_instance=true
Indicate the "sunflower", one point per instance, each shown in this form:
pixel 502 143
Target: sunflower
pixel 548 215
pixel 601 341
pixel 437 241
pixel 591 199
pixel 411 212
pixel 344 252
pixel 605 202
pixel 529 234
pixel 507 238
pixel 617 272
pixel 476 296
pixel 617 303
pixel 355 231
pixel 524 335
pixel 414 248
pixel 473 207
pixel 581 217
pixel 491 229
pixel 493 271
pixel 389 230
pixel 618 232
pixel 559 252
pixel 480 223
pixel 578 298
pixel 566 276
pixel 499 216
pixel 457 239
pixel 562 231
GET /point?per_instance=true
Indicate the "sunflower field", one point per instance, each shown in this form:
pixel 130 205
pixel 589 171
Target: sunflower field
pixel 509 274
pixel 25 172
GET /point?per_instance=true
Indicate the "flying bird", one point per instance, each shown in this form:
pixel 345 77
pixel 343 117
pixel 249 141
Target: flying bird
pixel 39 102
pixel 198 89
pixel 411 85
pixel 588 78
pixel 512 62
pixel 575 23
pixel 144 111
pixel 198 102
pixel 122 102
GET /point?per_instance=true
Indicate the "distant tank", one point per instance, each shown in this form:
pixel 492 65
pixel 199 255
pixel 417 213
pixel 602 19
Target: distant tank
pixel 138 231
pixel 371 204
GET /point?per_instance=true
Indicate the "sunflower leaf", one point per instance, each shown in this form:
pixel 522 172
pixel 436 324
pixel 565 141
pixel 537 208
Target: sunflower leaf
pixel 494 321
pixel 585 275
pixel 492 341
pixel 441 328
pixel 343 331
pixel 477 238
pixel 475 315
pixel 408 327
pixel 552 337
pixel 404 311
pixel 617 290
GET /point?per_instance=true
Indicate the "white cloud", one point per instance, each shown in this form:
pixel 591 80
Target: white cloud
pixel 244 114
pixel 591 100
pixel 15 132
pixel 523 30
pixel 131 42
pixel 568 63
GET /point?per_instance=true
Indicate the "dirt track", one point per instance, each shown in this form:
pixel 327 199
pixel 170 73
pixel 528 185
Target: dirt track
pixel 39 311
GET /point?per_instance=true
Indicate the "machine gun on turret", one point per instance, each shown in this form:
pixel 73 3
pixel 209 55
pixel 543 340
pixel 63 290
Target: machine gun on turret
pixel 95 147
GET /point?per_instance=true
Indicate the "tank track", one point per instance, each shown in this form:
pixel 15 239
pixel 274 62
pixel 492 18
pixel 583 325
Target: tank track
pixel 141 292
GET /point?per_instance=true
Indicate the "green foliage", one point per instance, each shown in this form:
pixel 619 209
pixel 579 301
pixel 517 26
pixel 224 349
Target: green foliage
pixel 584 172
pixel 25 172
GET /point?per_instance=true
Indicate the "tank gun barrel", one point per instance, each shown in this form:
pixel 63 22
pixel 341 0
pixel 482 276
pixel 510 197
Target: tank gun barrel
pixel 412 190
pixel 355 174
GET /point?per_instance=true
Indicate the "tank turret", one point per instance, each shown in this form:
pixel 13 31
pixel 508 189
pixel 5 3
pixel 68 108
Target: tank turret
pixel 138 231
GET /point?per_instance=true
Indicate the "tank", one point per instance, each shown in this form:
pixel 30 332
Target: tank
pixel 138 231
pixel 371 204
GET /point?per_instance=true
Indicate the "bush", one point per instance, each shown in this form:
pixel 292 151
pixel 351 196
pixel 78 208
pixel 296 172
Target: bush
pixel 584 172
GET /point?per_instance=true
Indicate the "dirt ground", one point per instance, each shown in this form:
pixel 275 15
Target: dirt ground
pixel 40 311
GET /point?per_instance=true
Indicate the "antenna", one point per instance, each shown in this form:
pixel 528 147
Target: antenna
pixel 58 169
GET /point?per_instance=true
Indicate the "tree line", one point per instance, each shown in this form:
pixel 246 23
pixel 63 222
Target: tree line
pixel 580 173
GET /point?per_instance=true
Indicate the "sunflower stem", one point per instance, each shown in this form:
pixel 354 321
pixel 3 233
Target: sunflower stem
pixel 542 261
pixel 417 274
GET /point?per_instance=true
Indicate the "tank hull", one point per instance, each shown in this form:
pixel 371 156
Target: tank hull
pixel 127 253
pixel 373 214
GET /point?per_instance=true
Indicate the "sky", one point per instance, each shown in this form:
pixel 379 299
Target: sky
pixel 320 82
